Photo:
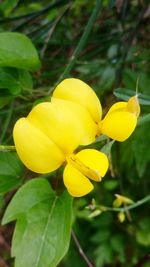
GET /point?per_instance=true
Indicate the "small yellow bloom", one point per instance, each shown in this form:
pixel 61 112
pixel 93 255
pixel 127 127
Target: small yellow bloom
pixel 47 138
pixel 119 122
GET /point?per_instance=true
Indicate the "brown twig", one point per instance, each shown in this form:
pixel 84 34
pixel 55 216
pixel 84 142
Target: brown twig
pixel 81 252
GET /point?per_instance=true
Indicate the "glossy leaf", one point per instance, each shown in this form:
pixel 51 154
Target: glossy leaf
pixel 17 50
pixel 42 232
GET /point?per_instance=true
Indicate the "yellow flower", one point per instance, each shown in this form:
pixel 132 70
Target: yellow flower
pixel 119 122
pixel 47 138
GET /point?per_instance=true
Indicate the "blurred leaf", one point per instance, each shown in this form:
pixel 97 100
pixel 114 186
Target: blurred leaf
pixel 8 182
pixel 136 151
pixel 130 79
pixel 10 171
pixel 7 6
pixel 118 243
pixel 107 78
pixel 104 255
pixel 43 224
pixel 17 50
pixel 143 232
pixel 125 94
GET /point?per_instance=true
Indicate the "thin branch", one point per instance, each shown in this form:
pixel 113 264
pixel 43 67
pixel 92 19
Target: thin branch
pixel 82 41
pixel 33 15
pixel 51 30
pixel 126 208
pixel 81 252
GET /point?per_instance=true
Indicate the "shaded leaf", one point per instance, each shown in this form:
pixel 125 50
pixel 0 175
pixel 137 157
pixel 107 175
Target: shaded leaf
pixel 42 232
pixel 17 50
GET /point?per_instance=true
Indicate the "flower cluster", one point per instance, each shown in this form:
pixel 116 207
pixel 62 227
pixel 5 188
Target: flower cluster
pixel 49 135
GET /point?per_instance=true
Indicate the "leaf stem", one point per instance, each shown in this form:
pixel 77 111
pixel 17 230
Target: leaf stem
pixel 82 40
pixel 81 252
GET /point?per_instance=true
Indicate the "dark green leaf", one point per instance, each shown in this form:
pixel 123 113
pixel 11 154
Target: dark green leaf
pixel 43 226
pixel 17 50
pixel 10 171
pixel 13 81
pixel 125 94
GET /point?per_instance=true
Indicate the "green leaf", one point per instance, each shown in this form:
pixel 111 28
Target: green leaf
pixel 10 171
pixel 17 50
pixel 13 81
pixel 7 6
pixel 125 94
pixel 143 233
pixel 8 81
pixel 42 232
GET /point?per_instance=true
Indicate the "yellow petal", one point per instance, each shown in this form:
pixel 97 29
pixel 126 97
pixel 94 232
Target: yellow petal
pixel 94 160
pixel 119 125
pixel 79 92
pixel 76 183
pixel 119 106
pixel 35 149
pixel 65 123
pixel 133 106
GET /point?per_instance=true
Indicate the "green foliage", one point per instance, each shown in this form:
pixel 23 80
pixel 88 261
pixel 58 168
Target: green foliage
pixel 7 6
pixel 13 81
pixel 10 171
pixel 112 56
pixel 125 94
pixel 16 50
pixel 43 224
pixel 136 151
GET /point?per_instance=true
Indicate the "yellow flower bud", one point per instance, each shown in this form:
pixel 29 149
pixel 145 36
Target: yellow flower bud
pixel 121 217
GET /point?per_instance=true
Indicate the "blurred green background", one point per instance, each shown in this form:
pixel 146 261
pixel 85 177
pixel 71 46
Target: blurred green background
pixel 114 56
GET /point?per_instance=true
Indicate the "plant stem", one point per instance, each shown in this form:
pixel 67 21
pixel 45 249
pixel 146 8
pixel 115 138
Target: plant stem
pixel 126 208
pixel 82 41
pixel 7 148
pixel 81 252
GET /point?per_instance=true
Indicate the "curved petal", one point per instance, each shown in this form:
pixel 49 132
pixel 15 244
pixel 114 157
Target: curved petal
pixel 119 125
pixel 65 123
pixel 133 106
pixel 96 161
pixel 79 92
pixel 36 150
pixel 119 106
pixel 76 183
